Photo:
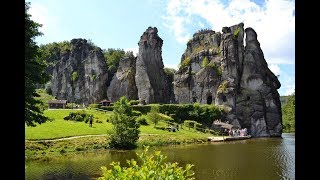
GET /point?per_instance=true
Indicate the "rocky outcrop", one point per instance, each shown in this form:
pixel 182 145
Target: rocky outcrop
pixel 80 75
pixel 150 79
pixel 123 82
pixel 217 69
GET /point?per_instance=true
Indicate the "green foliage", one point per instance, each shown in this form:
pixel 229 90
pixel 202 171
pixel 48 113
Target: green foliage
pixel 74 76
pixel 205 62
pixel 53 51
pixel 134 102
pixel 108 108
pixel 186 62
pixel 136 113
pixel 35 67
pixel 125 129
pixel 93 77
pixel 79 116
pixel 93 106
pixel 288 114
pixel 211 65
pixel 169 72
pixel 219 71
pixel 201 113
pixel 142 120
pixel 236 32
pixel 223 86
pixel 153 115
pixel 113 57
pixel 144 109
pixel 44 97
pixel 152 167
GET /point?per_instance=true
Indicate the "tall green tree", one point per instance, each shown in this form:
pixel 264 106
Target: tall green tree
pixel 125 128
pixel 34 71
pixel 288 114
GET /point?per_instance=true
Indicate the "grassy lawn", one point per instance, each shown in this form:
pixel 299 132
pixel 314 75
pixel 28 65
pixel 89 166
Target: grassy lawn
pixel 59 127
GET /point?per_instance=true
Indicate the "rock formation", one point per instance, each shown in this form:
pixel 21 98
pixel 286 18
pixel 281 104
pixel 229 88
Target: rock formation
pixel 80 75
pixel 150 79
pixel 217 69
pixel 123 82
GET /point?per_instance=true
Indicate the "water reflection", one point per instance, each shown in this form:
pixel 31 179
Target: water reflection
pixel 263 158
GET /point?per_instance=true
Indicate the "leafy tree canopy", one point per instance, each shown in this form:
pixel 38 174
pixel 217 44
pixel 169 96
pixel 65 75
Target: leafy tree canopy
pixel 34 71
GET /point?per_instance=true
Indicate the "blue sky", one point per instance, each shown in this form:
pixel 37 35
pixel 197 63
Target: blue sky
pixel 120 23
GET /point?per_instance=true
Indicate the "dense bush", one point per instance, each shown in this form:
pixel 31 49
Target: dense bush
pixel 108 108
pixel 144 109
pixel 152 167
pixel 136 113
pixel 288 114
pixel 142 120
pixel 93 106
pixel 153 115
pixel 134 102
pixel 203 114
pixel 78 116
pixel 125 129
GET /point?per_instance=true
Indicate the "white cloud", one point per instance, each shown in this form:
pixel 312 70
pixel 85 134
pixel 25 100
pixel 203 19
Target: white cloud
pixel 275 69
pixel 135 50
pixel 40 14
pixel 274 22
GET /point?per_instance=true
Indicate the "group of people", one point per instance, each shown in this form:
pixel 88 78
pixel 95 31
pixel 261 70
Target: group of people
pixel 238 132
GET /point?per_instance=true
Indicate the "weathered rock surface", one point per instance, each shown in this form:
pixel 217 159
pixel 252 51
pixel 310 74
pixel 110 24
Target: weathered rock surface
pixel 80 75
pixel 150 79
pixel 216 68
pixel 123 82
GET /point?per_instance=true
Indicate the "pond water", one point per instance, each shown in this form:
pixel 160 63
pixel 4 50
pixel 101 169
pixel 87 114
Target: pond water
pixel 260 158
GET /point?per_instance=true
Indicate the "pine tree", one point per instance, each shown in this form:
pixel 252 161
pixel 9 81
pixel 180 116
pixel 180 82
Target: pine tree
pixel 34 71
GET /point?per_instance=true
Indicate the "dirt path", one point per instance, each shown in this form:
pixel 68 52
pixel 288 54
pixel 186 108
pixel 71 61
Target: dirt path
pixel 74 137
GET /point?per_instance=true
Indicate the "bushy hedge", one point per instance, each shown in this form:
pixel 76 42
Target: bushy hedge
pixel 93 106
pixel 108 108
pixel 136 113
pixel 142 120
pixel 134 102
pixel 78 116
pixel 203 114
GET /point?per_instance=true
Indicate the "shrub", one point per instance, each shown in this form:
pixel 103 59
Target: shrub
pixel 186 62
pixel 152 167
pixel 144 109
pixel 98 121
pixel 125 129
pixel 93 106
pixel 153 115
pixel 236 32
pixel 142 120
pixel 134 102
pixel 204 62
pixel 74 76
pixel 108 108
pixel 136 113
pixel 78 118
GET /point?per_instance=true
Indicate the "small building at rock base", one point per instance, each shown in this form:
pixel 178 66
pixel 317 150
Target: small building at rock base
pixel 57 104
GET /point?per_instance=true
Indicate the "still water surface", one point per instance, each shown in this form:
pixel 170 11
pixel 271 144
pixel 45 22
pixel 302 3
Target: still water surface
pixel 261 158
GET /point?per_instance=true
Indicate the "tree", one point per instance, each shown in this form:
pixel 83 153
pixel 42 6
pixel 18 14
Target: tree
pixel 34 71
pixel 153 115
pixel 152 167
pixel 125 129
pixel 288 114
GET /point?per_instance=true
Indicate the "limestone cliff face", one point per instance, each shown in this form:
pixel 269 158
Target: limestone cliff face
pixel 217 69
pixel 80 75
pixel 150 78
pixel 123 82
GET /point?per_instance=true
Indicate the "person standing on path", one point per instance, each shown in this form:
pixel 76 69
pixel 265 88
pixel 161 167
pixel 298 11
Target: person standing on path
pixel 90 121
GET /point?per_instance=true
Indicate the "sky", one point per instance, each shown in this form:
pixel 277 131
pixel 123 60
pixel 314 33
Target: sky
pixel 120 23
